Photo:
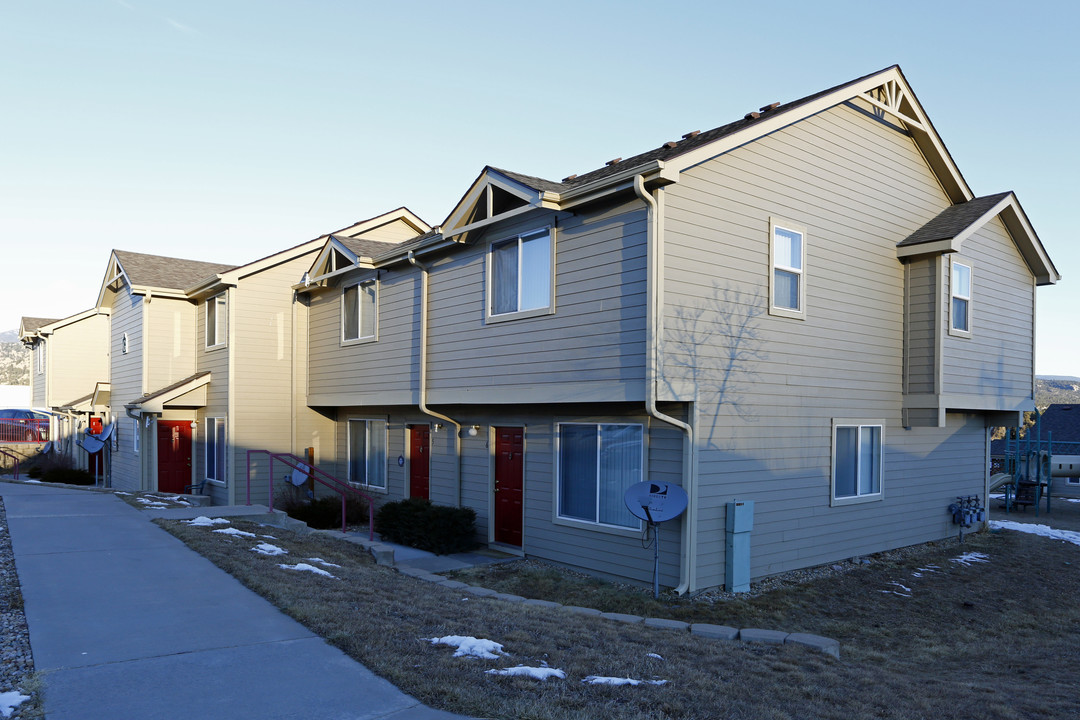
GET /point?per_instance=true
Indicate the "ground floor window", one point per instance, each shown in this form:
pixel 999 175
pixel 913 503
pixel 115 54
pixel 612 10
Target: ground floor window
pixel 596 464
pixel 367 452
pixel 857 460
pixel 215 449
pixel 1072 481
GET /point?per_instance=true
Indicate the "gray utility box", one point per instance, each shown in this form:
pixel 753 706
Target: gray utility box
pixel 740 521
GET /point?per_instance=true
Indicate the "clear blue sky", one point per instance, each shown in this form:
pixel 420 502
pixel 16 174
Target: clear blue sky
pixel 225 131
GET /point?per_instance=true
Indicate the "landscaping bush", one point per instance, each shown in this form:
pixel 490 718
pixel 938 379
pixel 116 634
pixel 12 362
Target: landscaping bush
pixel 68 476
pixel 417 523
pixel 324 513
pixel 35 472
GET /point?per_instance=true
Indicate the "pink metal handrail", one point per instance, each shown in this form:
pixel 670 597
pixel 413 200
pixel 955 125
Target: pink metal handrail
pixel 15 458
pixel 320 476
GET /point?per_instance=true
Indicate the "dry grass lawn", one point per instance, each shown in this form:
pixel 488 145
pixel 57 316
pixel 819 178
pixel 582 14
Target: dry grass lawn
pixel 998 639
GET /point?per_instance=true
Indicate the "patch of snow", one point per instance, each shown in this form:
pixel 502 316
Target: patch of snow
pixel 304 567
pixel 34 482
pixel 268 549
pixel 905 588
pixel 537 673
pixel 203 521
pixel 268 537
pixel 653 655
pixel 320 561
pixel 1045 530
pixel 10 700
pixel 601 680
pixel 120 492
pixel 470 646
pixel 1076 500
pixel 971 557
pixel 235 532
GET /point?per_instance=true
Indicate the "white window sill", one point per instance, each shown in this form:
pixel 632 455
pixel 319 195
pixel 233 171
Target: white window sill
pixel 359 341
pixel 857 499
pixel 787 313
pixel 597 527
pixel 520 315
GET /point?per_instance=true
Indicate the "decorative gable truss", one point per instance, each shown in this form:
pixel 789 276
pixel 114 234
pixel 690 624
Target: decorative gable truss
pixel 495 196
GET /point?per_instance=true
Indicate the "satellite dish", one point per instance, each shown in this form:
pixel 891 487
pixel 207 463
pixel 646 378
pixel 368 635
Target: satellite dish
pixel 655 502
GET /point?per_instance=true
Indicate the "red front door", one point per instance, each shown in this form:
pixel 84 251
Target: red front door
pixel 95 464
pixel 509 484
pixel 419 464
pixel 173 455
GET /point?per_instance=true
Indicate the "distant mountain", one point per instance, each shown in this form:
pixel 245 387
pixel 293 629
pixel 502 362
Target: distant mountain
pixel 14 364
pixel 8 336
pixel 1056 390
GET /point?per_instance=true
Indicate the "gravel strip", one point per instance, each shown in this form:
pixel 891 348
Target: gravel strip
pixel 16 659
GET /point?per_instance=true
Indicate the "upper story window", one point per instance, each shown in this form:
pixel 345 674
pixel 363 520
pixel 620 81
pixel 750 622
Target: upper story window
pixel 960 307
pixel 359 311
pixel 39 357
pixel 216 320
pixel 124 344
pixel 787 282
pixel 520 276
pixel 857 461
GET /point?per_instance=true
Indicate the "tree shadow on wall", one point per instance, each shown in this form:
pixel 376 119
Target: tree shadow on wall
pixel 712 346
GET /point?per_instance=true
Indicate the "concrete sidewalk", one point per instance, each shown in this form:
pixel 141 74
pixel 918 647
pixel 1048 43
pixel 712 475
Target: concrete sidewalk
pixel 127 622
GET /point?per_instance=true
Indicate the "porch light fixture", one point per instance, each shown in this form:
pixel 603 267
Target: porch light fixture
pixel 436 427
pixel 474 430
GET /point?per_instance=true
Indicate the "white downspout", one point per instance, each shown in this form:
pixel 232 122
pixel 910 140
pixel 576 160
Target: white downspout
pixel 423 372
pixel 653 331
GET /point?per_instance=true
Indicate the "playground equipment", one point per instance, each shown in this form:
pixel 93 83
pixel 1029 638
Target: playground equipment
pixel 1031 466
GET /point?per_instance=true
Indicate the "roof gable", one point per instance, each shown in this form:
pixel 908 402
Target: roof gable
pixel 348 248
pixel 141 272
pixel 497 195
pixel 946 233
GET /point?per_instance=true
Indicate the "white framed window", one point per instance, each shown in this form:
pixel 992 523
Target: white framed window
pixel 1072 481
pixel 135 435
pixel 597 462
pixel 960 299
pixel 857 461
pixel 215 449
pixel 367 453
pixel 521 276
pixel 216 321
pixel 359 312
pixel 787 269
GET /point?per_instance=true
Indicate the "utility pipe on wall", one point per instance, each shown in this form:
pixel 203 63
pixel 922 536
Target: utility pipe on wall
pixel 653 330
pixel 424 271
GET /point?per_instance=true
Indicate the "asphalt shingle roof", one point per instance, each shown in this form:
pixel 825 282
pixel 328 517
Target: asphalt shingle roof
pixel 33 323
pixel 953 220
pixel 169 388
pixel 166 272
pixel 673 149
pixel 366 248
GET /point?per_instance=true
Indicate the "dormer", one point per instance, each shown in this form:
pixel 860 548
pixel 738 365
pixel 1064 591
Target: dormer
pixel 498 195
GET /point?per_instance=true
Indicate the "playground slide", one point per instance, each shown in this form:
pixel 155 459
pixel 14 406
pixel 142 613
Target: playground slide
pixel 996 481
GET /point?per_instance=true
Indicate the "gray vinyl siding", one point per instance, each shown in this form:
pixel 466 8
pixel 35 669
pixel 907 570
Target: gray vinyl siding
pixel 768 387
pixel 923 325
pixel 367 372
pixel 590 349
pixel 126 383
pixel 38 380
pixel 216 361
pixel 997 360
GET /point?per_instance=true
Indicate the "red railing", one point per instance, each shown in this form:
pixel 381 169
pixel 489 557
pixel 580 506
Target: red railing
pixel 15 458
pixel 320 476
pixel 23 430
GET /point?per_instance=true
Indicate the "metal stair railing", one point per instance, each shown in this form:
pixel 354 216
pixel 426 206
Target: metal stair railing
pixel 320 476
pixel 15 458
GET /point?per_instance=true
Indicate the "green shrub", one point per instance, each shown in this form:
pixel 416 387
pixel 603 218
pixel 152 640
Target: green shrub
pixel 417 523
pixel 324 513
pixel 35 472
pixel 68 476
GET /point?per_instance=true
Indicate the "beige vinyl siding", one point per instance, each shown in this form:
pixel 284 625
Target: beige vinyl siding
pixel 215 360
pixel 923 325
pixel 394 232
pixel 262 344
pixel 168 352
pixel 768 387
pixel 126 379
pixel 78 358
pixel 997 360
